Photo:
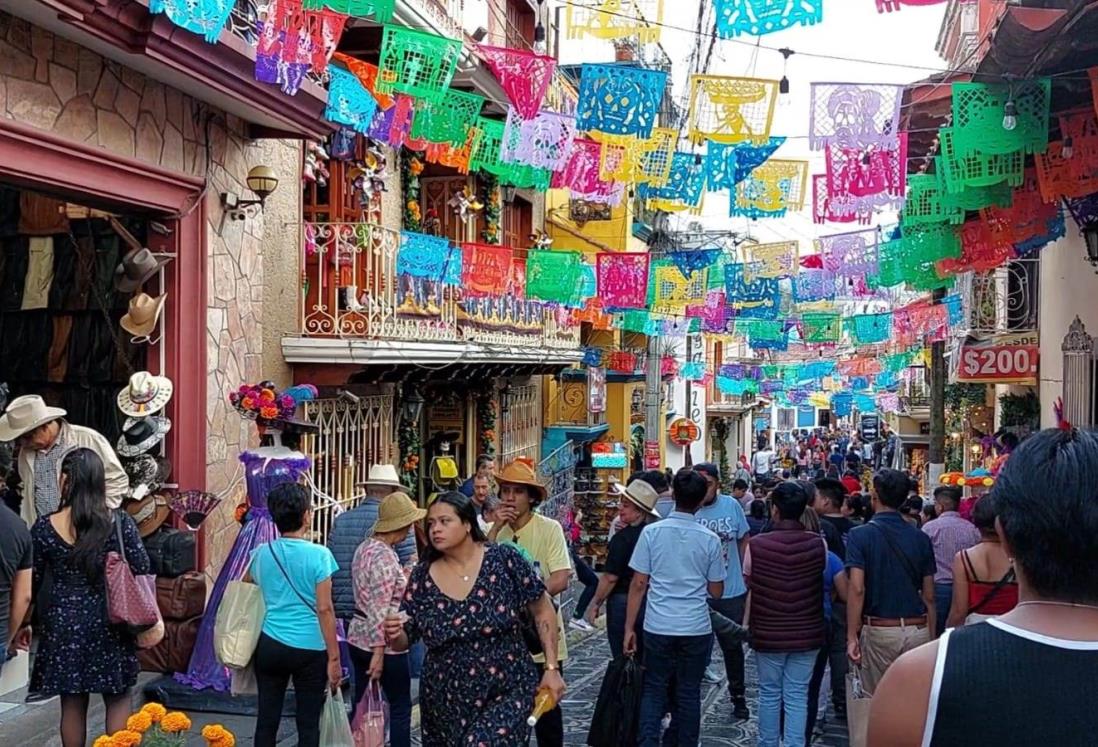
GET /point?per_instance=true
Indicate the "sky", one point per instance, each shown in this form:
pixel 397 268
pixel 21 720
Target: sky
pixel 850 29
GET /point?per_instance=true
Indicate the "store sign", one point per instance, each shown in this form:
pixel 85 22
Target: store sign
pixel 596 389
pixel 651 454
pixel 1004 359
pixel 870 428
pixel 683 432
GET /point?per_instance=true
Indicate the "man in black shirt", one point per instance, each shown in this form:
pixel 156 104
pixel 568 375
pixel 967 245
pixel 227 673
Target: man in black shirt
pixel 637 508
pixel 830 495
pixel 15 579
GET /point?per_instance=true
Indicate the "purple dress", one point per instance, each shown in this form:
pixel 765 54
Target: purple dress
pixel 262 473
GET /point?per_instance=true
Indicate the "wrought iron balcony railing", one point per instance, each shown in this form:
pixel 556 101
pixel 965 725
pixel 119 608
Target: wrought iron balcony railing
pixel 350 288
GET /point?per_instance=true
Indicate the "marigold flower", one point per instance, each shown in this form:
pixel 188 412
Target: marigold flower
pixel 155 711
pixel 266 395
pixel 247 403
pixel 125 738
pixel 139 722
pixel 103 741
pixel 175 722
pixel 269 413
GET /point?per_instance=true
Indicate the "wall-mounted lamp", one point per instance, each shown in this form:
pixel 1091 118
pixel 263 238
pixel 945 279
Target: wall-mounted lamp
pixel 262 181
pixel 413 405
pixel 479 34
pixel 507 193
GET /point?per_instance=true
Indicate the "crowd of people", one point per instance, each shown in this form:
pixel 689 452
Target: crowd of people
pixel 957 628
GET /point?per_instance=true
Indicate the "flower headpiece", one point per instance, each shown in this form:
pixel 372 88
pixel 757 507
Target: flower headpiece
pixel 264 404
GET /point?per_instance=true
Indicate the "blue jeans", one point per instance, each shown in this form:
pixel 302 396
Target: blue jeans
pixel 590 581
pixel 783 681
pixel 943 598
pixel 396 684
pixel 685 658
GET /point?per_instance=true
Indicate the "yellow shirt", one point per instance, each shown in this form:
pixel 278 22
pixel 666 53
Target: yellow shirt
pixel 543 539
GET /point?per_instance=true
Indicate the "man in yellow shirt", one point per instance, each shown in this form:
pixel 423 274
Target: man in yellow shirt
pixel 520 492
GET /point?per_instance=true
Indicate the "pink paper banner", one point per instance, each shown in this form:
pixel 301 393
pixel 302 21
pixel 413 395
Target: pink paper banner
pixel 623 280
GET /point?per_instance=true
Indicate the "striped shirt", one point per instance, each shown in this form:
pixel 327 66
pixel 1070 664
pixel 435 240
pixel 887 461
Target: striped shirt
pixel 949 534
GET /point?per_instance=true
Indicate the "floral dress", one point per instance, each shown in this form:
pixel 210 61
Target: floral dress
pixel 80 652
pixel 478 678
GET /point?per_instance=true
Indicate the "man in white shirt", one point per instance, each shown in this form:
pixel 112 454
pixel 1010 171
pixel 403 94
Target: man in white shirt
pixel 762 462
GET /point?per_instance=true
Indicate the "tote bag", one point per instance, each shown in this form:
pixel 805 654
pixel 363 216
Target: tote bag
pixel 857 709
pixel 368 727
pixel 131 598
pixel 238 624
pixel 335 729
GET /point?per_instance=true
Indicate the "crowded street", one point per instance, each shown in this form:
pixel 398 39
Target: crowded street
pixel 586 373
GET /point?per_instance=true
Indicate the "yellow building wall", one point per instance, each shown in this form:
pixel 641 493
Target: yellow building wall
pixel 614 235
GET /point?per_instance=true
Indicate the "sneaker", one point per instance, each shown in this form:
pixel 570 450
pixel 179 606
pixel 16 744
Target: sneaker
pixel 739 708
pixel 578 623
pixel 713 675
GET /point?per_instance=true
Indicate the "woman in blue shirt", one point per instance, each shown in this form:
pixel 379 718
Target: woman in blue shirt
pixel 299 630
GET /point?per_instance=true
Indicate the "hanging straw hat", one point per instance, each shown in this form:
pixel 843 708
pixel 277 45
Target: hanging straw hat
pixel 24 414
pixel 146 394
pixel 143 314
pixel 141 434
pixel 396 512
pixel 149 513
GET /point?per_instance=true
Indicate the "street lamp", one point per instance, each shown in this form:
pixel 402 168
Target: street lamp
pixel 1090 236
pixel 413 405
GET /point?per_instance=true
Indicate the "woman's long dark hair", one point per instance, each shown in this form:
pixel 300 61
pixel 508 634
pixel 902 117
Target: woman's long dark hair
pixel 85 492
pixel 467 514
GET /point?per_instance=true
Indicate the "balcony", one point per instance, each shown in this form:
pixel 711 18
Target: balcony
pixel 356 309
pixel 719 403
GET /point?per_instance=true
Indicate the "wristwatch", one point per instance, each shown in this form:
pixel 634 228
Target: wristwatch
pixel 551 667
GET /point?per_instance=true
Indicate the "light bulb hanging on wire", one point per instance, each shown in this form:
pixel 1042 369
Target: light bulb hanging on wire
pixel 783 85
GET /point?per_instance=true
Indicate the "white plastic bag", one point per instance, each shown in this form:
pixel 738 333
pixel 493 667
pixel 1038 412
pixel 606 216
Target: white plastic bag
pixel 335 729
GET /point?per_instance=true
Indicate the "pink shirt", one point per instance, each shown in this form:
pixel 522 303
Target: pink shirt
pixel 378 582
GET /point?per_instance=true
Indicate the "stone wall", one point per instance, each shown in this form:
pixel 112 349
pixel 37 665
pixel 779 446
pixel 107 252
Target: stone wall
pixel 55 85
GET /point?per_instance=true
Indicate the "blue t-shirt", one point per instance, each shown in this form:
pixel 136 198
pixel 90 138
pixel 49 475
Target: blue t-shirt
pixel 680 557
pixel 289 620
pixel 725 518
pixel 833 568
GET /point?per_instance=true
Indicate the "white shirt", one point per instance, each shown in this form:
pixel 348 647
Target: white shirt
pixel 761 460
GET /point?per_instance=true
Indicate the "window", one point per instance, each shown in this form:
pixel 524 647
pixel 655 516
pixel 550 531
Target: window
pixel 519 423
pixel 787 417
pixel 520 25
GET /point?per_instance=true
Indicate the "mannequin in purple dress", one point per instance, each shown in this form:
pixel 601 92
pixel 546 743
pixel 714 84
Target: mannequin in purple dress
pixel 264 468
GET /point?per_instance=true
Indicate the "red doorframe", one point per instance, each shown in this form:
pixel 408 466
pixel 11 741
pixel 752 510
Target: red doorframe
pixel 37 159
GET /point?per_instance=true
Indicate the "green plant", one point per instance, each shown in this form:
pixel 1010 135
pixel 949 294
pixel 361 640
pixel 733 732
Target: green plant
pixel 493 208
pixel 1020 410
pixel 410 443
pixel 961 396
pixel 411 166
pixel 486 415
pixel 720 430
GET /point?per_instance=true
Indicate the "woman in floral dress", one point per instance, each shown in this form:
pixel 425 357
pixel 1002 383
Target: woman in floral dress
pixel 464 600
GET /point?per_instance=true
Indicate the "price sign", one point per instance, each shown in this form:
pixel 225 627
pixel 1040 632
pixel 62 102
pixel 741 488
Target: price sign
pixel 1009 359
pixel 651 454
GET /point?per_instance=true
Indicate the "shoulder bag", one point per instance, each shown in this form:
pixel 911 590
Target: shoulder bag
pixel 131 598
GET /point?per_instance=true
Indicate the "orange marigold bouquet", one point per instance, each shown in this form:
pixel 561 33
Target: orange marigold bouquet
pixel 156 726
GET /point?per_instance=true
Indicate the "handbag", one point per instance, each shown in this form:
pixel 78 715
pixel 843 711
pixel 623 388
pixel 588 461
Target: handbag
pixel 616 720
pixel 335 729
pixel 368 727
pixel 857 708
pixel 131 598
pixel 238 624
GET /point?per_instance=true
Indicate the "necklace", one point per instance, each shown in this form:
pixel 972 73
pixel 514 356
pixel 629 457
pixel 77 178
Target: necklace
pixel 460 573
pixel 1058 604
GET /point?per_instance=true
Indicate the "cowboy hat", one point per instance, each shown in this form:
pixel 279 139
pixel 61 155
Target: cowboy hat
pixel 640 494
pixel 24 414
pixel 143 314
pixel 136 268
pixel 521 473
pixel 382 475
pixel 146 394
pixel 141 434
pixel 149 513
pixel 148 471
pixel 396 512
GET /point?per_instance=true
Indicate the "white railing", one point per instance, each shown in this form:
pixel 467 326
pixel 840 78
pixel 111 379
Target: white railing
pixel 520 425
pixel 350 438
